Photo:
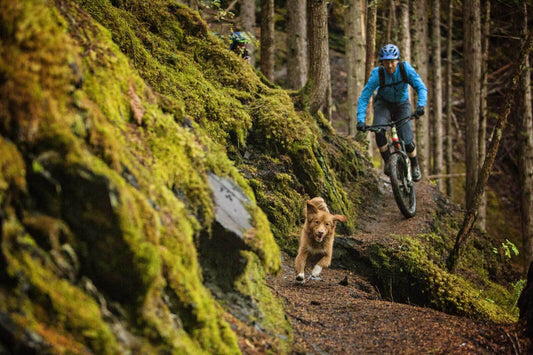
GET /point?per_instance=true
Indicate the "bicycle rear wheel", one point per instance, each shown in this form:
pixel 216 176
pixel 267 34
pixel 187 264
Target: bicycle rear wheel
pixel 402 188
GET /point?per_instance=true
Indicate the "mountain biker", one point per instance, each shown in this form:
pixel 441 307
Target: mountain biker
pixel 392 102
pixel 238 44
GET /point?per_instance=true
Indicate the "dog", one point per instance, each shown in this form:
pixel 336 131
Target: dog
pixel 317 237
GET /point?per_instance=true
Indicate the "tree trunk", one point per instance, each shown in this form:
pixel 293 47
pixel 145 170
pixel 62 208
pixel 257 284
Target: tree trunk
pixel 420 61
pixel 371 16
pixel 526 159
pixel 404 37
pixel 438 151
pixel 471 214
pixel 267 39
pixel 391 23
pixel 296 44
pixel 472 75
pixel 248 24
pixel 449 98
pixel 404 33
pixel 482 144
pixel 317 82
pixel 355 56
pixel 370 37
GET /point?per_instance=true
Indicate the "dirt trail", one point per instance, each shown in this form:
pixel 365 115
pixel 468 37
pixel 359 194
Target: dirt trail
pixel 344 314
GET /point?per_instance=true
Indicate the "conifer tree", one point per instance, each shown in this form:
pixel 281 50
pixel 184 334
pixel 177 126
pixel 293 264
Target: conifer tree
pixel 319 72
pixel 355 57
pixel 296 44
pixel 267 39
pixel 438 150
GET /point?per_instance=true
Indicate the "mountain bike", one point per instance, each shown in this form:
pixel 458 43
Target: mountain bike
pixel 403 186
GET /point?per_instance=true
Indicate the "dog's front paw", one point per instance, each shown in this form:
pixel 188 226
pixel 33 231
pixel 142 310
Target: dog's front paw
pixel 316 271
pixel 300 278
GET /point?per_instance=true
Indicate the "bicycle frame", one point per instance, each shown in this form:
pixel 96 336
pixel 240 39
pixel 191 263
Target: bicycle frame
pixel 400 168
pixel 397 144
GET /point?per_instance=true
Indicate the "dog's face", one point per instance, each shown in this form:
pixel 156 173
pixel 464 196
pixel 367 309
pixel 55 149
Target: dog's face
pixel 322 224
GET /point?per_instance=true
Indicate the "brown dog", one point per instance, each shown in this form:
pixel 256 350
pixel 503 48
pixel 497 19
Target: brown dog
pixel 317 237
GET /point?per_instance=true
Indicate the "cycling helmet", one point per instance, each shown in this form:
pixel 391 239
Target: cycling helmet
pixel 388 52
pixel 239 37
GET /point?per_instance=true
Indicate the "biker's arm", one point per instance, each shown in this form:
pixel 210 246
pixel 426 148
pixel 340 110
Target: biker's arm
pixel 416 82
pixel 366 94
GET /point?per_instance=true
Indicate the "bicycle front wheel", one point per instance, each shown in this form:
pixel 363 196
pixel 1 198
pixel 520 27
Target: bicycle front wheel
pixel 402 187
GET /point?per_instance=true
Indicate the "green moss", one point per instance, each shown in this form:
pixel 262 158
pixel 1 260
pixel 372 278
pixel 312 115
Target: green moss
pixel 271 316
pixel 408 273
pixel 12 170
pixel 57 308
pixel 34 62
pixel 223 95
pixel 262 241
pixel 216 108
pixel 199 316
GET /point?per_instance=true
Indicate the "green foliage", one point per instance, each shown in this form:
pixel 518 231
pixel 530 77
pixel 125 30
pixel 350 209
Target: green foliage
pixel 507 247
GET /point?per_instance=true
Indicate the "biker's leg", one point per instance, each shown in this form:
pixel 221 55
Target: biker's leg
pixel 411 153
pixel 405 131
pixel 382 115
pixel 381 142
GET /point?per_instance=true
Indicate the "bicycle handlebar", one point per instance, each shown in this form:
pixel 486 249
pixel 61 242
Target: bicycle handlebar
pixel 398 123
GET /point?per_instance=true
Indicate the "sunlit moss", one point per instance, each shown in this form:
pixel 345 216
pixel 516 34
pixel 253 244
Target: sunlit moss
pixel 225 97
pixel 56 306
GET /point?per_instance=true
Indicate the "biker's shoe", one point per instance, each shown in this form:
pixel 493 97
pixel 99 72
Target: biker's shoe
pixel 417 175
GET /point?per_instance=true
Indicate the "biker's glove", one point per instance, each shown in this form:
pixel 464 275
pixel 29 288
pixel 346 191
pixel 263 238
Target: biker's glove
pixel 361 126
pixel 419 111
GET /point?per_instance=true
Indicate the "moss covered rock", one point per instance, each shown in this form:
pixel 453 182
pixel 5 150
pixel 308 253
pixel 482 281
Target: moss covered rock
pixel 114 115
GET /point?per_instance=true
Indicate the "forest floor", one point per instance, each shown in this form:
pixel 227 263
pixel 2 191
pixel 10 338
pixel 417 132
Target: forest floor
pixel 344 313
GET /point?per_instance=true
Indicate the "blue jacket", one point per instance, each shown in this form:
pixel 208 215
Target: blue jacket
pixel 395 93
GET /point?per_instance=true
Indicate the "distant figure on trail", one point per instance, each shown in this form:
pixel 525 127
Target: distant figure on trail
pixel 238 44
pixel 392 79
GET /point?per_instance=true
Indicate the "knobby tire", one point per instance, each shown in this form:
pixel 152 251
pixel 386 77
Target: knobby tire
pixel 404 192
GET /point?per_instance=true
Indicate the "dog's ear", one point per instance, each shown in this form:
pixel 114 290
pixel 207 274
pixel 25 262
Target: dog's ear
pixel 339 218
pixel 311 208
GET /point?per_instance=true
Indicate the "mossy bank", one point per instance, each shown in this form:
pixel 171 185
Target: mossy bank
pixel 113 114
